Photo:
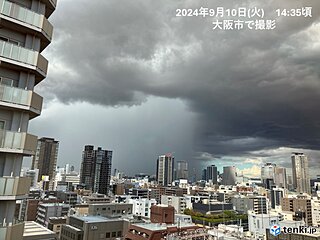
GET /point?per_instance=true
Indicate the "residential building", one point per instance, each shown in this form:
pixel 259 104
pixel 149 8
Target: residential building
pixel 179 203
pixel 24 33
pixel 300 173
pixel 256 204
pixel 142 206
pixel 46 158
pixel 96 169
pixel 280 177
pixel 182 170
pixel 165 168
pixel 300 205
pixel 48 210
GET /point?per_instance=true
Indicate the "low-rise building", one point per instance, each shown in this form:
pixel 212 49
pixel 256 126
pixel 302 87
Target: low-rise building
pixel 47 210
pixel 93 228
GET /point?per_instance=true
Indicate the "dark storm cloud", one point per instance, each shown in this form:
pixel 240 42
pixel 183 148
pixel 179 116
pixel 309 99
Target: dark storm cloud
pixel 252 89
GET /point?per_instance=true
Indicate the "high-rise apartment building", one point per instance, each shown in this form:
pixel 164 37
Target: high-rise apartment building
pixel 300 173
pixel 273 175
pixel 96 169
pixel 182 170
pixel 164 173
pixel 24 33
pixel 46 158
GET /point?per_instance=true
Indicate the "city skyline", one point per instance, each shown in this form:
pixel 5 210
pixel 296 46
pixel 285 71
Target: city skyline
pixel 217 107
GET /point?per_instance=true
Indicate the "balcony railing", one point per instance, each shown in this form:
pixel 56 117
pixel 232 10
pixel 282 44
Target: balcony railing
pixel 12 231
pixel 14 186
pixel 26 16
pixel 22 97
pixel 24 56
pixel 17 142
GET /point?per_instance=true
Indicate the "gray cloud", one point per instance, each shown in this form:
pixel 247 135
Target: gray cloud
pixel 251 90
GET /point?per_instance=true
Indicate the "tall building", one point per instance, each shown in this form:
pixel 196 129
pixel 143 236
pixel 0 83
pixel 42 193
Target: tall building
pixel 212 174
pixel 46 158
pixel 182 170
pixel 280 177
pixel 24 33
pixel 164 173
pixel 96 169
pixel 229 175
pixel 300 173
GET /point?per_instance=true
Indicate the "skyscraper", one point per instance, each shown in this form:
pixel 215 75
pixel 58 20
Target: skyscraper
pixel 229 175
pixel 164 173
pixel 300 173
pixel 212 174
pixel 25 32
pixel 46 157
pixel 182 170
pixel 96 169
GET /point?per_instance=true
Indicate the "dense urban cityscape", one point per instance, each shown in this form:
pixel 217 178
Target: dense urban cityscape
pixel 98 203
pixel 93 200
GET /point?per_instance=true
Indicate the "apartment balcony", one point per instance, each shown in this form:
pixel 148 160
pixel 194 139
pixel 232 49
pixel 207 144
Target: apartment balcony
pixel 18 142
pixel 23 59
pixel 27 21
pixel 11 231
pixel 50 6
pixel 18 98
pixel 13 187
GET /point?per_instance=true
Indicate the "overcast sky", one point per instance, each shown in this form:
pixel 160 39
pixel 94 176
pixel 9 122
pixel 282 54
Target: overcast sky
pixel 131 77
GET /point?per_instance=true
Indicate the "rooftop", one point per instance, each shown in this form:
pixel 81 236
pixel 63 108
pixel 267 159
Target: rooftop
pixel 35 229
pixel 159 227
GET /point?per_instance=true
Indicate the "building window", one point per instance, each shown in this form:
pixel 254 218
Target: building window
pixel 119 234
pixel 108 235
pixel 114 234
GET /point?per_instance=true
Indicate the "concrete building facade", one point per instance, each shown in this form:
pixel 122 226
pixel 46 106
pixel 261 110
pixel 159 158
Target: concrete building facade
pixel 95 172
pixel 165 168
pixel 24 33
pixel 46 157
pixel 300 173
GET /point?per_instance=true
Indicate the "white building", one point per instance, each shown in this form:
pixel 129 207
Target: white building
pixel 179 203
pixel 315 211
pixel 258 223
pixel 141 206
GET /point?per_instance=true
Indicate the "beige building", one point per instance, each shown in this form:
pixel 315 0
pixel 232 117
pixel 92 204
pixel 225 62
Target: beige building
pixel 301 206
pixel 24 33
pixel 46 158
pixel 300 173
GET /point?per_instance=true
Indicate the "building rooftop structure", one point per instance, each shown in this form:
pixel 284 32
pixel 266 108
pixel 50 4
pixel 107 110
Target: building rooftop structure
pixel 34 231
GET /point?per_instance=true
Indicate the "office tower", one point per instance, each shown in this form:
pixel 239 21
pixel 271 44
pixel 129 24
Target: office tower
pixel 268 174
pixel 212 174
pixel 46 158
pixel 24 33
pixel 229 175
pixel 164 173
pixel 275 197
pixel 300 173
pixel 182 170
pixel 96 169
